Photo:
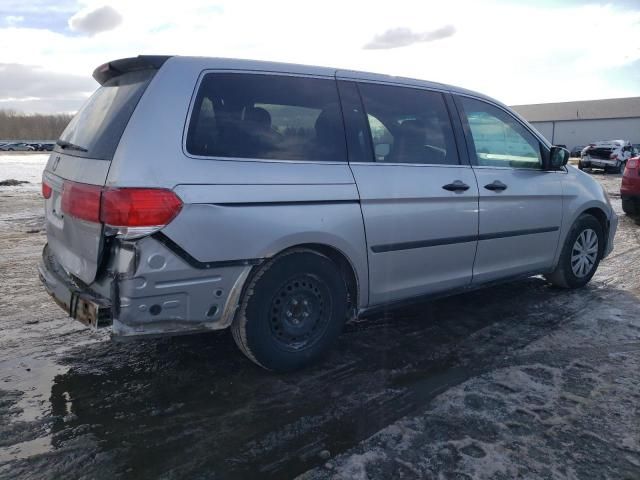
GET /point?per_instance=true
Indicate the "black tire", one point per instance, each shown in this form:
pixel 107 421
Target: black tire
pixel 616 169
pixel 630 206
pixel 273 327
pixel 564 276
pixel 580 167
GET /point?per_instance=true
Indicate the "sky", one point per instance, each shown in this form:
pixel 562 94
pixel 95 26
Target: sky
pixel 516 51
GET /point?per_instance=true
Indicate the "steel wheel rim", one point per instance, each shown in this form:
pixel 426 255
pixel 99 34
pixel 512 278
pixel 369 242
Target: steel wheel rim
pixel 584 253
pixel 300 312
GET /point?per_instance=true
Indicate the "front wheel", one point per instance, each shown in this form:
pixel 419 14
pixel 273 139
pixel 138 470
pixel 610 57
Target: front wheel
pixel 580 254
pixel 293 310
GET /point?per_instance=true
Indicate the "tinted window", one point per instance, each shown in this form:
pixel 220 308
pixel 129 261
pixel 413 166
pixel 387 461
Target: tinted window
pixel 267 116
pixel 408 125
pixel 100 122
pixel 499 140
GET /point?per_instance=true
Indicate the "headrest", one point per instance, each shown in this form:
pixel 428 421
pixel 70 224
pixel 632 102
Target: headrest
pixel 328 122
pixel 258 116
pixel 412 128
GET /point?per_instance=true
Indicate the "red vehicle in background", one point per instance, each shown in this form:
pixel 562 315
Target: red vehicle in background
pixel 630 188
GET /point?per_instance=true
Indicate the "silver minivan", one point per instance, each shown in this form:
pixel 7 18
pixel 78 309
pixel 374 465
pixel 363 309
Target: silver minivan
pixel 195 194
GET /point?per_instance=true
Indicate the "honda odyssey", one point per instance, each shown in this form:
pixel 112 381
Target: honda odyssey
pixel 196 194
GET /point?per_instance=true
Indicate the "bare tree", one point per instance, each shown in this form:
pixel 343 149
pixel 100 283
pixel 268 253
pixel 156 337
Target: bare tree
pixel 20 126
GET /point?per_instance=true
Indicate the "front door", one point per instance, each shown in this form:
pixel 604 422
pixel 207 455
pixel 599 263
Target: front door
pixel 520 202
pixel 419 201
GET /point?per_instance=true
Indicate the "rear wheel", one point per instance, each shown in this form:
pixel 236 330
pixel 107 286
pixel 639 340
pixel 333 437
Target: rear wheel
pixel 618 168
pixel 293 310
pixel 580 254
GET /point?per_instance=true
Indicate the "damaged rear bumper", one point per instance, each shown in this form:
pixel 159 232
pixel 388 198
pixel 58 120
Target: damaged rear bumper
pixel 80 303
pixel 146 289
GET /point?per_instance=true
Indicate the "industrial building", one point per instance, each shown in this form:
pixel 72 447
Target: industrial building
pixel 583 122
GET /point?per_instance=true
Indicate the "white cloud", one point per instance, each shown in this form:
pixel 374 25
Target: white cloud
pixel 511 51
pixel 95 21
pixel 32 89
pixel 14 19
pixel 401 37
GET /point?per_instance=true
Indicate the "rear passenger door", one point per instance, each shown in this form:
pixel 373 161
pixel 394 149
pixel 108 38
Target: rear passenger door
pixel 520 202
pixel 419 202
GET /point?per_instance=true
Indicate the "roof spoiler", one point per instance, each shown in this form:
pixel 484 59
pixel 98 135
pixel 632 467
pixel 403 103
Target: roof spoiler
pixel 109 70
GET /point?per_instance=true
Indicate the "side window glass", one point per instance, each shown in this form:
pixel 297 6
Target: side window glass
pixel 499 140
pixel 267 117
pixel 382 138
pixel 408 125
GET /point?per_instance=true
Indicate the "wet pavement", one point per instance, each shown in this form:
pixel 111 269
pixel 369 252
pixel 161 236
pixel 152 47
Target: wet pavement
pixel 521 379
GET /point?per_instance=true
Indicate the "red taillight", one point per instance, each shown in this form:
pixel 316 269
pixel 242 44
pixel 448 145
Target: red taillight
pixel 81 201
pixel 46 190
pixel 120 207
pixel 139 207
pixel 633 163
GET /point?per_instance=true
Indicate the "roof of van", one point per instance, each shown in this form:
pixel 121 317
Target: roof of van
pixel 281 67
pixel 116 67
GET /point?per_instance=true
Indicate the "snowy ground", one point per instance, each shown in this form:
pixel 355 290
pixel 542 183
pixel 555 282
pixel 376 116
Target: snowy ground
pixel 22 166
pixel 515 381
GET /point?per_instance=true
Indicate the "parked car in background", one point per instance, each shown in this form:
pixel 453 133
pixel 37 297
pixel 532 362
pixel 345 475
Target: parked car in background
pixel 17 147
pixel 266 177
pixel 609 155
pixel 630 187
pixel 43 147
pixel 577 150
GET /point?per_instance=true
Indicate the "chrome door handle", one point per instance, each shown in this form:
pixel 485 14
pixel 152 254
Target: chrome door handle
pixel 456 186
pixel 496 186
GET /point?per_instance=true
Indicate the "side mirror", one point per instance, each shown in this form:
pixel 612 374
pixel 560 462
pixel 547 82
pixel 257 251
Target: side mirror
pixel 558 157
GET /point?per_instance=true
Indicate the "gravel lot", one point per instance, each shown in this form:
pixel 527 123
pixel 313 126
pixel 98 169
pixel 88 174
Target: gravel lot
pixel 520 380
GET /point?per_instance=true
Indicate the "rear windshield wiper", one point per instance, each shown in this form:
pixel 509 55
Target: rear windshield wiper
pixel 71 146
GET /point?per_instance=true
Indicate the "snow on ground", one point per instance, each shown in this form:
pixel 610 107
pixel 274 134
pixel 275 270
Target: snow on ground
pixel 27 167
pixel 22 209
pixel 519 380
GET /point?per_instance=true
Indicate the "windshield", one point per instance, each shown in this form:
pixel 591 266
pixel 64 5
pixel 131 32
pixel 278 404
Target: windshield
pixel 98 125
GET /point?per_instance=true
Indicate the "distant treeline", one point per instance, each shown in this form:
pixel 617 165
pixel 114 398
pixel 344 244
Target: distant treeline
pixel 20 126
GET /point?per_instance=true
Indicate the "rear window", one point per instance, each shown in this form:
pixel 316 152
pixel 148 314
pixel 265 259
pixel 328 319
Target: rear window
pixel 601 152
pixel 99 124
pixel 267 117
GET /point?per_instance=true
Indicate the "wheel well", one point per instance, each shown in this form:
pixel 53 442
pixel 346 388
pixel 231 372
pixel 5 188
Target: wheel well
pixel 602 219
pixel 600 216
pixel 344 265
